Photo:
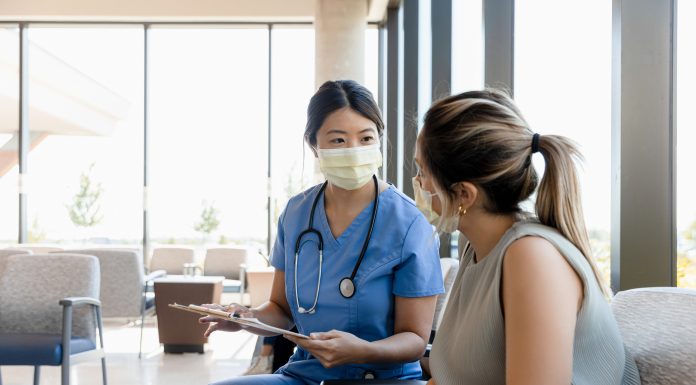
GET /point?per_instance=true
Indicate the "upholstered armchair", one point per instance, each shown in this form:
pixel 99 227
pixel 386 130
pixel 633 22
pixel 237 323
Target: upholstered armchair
pixel 171 259
pixel 229 262
pixel 50 312
pixel 658 326
pixel 123 291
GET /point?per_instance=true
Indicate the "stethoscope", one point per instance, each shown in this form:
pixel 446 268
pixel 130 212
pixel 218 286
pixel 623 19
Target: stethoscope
pixel 347 285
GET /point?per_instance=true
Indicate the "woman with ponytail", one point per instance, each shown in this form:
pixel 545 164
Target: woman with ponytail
pixel 528 305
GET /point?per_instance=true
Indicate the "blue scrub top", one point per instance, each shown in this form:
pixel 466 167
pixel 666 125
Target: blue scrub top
pixel 402 259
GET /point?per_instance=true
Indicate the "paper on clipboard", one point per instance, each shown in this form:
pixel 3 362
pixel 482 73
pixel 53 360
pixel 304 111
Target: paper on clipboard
pixel 249 322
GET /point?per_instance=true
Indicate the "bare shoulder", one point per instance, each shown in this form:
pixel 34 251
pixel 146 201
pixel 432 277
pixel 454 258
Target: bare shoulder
pixel 534 265
pixel 531 253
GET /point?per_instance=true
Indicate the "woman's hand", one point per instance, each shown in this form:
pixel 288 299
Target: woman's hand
pixel 334 348
pixel 220 324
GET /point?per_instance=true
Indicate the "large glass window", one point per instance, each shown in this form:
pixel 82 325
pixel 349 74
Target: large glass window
pixel 686 140
pixel 467 45
pixel 372 60
pixel 563 86
pixel 292 86
pixel 9 128
pixel 208 136
pixel 86 159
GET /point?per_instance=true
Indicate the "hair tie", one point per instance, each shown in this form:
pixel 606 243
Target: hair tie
pixel 535 143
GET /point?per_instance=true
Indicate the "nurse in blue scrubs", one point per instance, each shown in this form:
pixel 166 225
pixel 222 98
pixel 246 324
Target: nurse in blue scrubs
pixel 357 265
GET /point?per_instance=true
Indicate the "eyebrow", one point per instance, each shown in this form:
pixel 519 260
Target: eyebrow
pixel 337 131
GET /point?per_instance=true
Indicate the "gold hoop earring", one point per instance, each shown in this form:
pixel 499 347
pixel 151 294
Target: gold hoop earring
pixel 461 211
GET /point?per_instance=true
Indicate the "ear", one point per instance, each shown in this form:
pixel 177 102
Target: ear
pixel 467 193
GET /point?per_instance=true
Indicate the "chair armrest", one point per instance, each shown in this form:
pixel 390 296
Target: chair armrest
pixel 77 301
pixel 155 274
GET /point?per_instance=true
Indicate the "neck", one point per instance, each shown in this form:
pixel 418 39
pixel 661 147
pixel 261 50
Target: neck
pixel 357 198
pixel 484 231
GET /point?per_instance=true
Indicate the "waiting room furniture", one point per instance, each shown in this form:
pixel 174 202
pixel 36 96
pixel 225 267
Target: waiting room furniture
pixel 180 331
pixel 658 326
pixel 228 262
pixel 171 259
pixel 4 253
pixel 33 329
pixel 123 291
pixel 225 261
pixel 37 249
pixel 260 283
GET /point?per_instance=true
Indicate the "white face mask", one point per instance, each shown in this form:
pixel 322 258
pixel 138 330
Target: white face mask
pixel 350 168
pixel 424 202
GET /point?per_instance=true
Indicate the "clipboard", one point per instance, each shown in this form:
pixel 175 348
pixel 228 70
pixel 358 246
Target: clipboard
pixel 247 322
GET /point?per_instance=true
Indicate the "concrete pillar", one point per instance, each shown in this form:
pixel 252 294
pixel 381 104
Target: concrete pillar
pixel 339 27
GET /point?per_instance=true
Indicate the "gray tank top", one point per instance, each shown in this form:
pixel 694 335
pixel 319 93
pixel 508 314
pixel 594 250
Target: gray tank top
pixel 469 346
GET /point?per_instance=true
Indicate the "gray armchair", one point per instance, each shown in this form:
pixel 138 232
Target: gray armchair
pixel 171 259
pixel 124 285
pixel 4 253
pixel 229 262
pixel 658 326
pixel 33 329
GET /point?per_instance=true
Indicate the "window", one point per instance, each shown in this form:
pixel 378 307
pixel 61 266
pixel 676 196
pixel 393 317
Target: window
pixel 563 86
pixel 9 132
pixel 86 158
pixel 208 136
pixel 372 61
pixel 292 82
pixel 467 45
pixel 686 140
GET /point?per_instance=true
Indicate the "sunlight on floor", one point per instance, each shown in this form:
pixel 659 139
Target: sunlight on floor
pixel 227 355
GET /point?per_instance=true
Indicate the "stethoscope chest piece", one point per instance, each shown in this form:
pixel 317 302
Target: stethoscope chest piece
pixel 347 287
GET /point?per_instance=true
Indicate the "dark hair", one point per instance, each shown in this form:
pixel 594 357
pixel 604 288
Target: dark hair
pixel 337 94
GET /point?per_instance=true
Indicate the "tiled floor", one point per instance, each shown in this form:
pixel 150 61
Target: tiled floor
pixel 227 355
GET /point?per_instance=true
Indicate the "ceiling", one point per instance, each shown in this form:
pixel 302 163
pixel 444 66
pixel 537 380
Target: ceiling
pixel 168 10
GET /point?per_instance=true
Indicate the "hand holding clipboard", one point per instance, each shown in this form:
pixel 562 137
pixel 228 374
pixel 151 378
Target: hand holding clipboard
pixel 227 316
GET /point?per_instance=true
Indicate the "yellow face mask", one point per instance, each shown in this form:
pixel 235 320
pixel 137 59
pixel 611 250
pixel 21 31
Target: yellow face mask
pixel 350 168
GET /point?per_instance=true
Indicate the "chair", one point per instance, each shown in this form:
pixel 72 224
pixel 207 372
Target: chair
pixel 33 331
pixel 658 329
pixel 124 285
pixel 37 248
pixel 260 281
pixel 4 253
pixel 229 262
pixel 171 259
pixel 450 268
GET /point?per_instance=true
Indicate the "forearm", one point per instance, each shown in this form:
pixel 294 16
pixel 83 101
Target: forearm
pixel 401 347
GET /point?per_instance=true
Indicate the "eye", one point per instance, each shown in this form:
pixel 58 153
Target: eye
pixel 368 139
pixel 337 141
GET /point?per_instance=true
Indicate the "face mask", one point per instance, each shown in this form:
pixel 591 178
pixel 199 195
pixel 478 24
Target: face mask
pixel 350 168
pixel 424 202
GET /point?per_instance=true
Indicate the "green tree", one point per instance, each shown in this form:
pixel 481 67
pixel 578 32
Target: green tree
pixel 84 210
pixel 36 233
pixel 209 221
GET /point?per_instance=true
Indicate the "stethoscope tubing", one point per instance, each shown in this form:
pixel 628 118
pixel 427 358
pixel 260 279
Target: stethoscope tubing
pixel 311 230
